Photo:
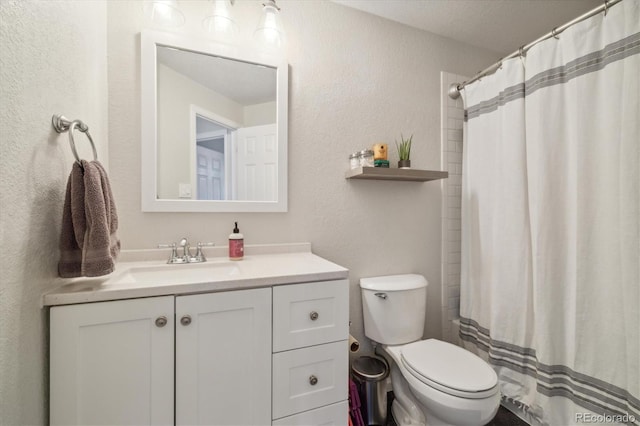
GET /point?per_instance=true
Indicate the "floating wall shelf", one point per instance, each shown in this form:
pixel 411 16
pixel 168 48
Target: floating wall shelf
pixel 382 173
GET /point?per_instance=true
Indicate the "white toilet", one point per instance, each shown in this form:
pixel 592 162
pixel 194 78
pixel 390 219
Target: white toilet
pixel 434 382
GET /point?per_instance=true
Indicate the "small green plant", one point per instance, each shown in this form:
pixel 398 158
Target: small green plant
pixel 404 148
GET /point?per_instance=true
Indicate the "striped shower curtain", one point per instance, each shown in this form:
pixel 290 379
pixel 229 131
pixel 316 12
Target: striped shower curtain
pixel 550 291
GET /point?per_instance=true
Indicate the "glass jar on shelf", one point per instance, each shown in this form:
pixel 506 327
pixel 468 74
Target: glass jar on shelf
pixel 366 158
pixel 354 160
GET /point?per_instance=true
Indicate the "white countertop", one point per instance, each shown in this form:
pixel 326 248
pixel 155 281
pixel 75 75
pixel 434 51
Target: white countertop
pixel 144 273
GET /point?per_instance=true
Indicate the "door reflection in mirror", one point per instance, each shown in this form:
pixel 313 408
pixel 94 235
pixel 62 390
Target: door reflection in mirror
pixel 212 146
pixel 257 163
pixel 234 163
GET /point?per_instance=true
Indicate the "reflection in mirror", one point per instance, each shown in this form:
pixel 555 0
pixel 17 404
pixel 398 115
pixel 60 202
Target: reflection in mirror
pixel 219 122
pixel 243 98
pixel 212 142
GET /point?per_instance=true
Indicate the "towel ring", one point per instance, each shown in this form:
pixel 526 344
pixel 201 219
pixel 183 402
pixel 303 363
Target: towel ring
pixel 80 124
pixel 62 124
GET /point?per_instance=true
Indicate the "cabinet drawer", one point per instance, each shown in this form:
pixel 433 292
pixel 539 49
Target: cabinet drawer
pixel 310 314
pixel 331 415
pixel 309 378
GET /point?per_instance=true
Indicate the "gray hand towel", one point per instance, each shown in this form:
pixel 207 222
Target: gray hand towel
pixel 73 221
pixel 88 243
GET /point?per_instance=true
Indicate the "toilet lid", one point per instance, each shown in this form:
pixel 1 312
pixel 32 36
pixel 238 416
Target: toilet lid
pixel 449 366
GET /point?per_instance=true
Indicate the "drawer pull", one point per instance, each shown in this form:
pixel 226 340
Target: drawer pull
pixel 185 320
pixel 313 380
pixel 313 315
pixel 161 321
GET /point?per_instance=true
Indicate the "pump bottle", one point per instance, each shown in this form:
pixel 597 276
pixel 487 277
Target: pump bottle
pixel 236 244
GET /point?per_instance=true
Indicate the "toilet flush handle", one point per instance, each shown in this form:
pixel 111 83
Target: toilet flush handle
pixel 381 295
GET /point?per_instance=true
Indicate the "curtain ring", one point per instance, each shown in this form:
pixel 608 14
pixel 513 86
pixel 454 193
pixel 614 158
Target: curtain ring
pixel 84 129
pixel 554 33
pixel 606 5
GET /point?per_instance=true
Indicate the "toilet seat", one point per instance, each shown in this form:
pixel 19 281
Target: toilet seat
pixel 449 368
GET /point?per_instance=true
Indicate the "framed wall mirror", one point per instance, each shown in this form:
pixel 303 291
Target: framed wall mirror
pixel 214 127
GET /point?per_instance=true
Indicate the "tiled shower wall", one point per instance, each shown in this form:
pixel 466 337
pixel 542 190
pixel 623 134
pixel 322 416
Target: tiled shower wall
pixel 451 140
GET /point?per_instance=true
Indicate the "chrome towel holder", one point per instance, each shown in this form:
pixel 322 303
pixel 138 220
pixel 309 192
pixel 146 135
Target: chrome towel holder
pixel 62 124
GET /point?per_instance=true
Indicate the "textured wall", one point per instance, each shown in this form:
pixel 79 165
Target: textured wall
pixel 53 60
pixel 355 79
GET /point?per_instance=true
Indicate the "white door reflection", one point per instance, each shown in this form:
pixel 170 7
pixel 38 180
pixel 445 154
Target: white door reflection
pixel 213 146
pixel 257 163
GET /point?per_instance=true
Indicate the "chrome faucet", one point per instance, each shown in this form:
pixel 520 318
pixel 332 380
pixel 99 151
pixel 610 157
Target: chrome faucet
pixel 186 250
pixel 186 257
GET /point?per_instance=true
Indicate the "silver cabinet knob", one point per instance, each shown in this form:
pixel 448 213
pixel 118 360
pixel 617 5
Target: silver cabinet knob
pixel 313 315
pixel 161 321
pixel 185 320
pixel 313 380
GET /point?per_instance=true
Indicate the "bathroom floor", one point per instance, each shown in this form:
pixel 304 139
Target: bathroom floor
pixel 505 417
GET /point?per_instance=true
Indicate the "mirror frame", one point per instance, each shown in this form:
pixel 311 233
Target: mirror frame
pixel 149 40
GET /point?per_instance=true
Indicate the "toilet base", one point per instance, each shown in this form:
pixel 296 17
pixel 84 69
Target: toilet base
pixel 416 402
pixel 402 417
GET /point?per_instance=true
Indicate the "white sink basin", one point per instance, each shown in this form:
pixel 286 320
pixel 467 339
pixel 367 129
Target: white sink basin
pixel 178 273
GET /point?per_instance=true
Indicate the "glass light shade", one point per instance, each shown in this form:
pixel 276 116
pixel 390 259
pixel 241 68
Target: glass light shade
pixel 220 24
pixel 164 12
pixel 270 32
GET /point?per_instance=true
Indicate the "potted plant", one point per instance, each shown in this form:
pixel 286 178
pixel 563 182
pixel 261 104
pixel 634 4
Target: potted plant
pixel 404 152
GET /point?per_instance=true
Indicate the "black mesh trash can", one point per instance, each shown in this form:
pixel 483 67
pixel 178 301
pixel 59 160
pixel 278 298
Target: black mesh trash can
pixel 369 374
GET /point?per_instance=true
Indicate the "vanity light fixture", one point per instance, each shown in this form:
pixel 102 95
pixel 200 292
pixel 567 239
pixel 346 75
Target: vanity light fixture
pixel 164 12
pixel 270 31
pixel 220 23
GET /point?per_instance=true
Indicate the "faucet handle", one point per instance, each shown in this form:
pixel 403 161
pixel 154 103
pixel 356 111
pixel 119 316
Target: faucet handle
pixel 199 257
pixel 174 252
pixel 200 245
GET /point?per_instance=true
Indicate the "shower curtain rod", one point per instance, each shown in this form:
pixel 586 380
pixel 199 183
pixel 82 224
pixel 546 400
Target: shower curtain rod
pixel 455 88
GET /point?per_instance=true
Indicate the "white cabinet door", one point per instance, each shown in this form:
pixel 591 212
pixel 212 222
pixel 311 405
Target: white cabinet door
pixel 112 363
pixel 223 358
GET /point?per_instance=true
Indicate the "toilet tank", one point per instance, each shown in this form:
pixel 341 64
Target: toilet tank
pixel 394 308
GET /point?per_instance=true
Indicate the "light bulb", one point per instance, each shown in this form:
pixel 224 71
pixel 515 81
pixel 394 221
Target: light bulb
pixel 220 24
pixel 164 12
pixel 270 32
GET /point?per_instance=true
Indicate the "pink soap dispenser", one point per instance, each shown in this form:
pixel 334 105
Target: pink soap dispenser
pixel 236 244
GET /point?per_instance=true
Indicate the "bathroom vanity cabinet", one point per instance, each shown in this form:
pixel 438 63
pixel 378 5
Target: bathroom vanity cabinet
pixel 113 362
pixel 271 355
